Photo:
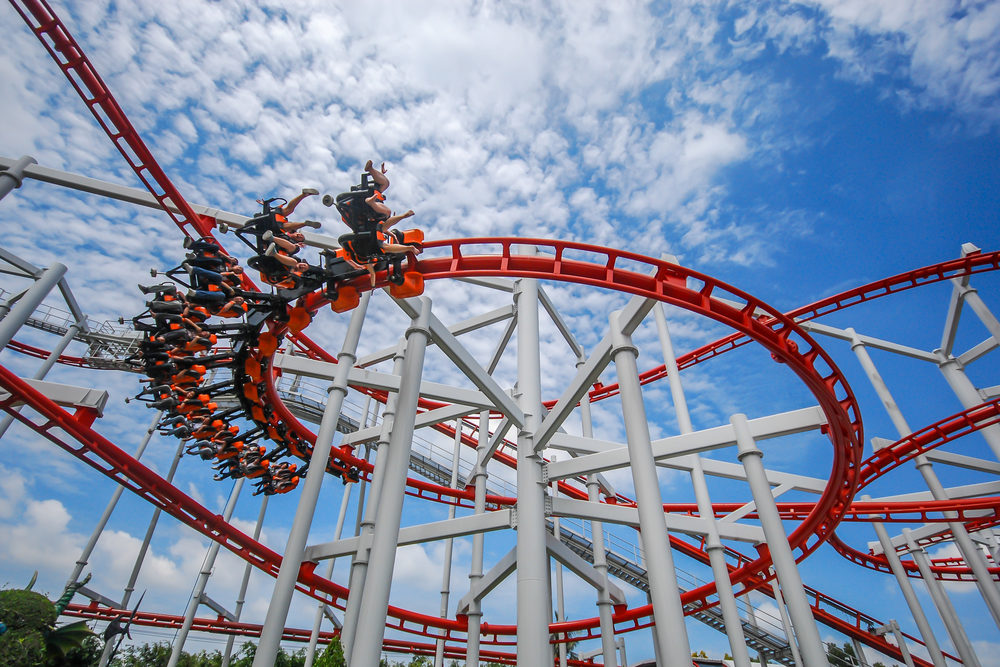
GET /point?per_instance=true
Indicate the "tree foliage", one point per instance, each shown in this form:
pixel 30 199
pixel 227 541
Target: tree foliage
pixel 30 637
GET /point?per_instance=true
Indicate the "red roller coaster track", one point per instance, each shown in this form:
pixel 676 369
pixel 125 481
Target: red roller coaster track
pixel 751 319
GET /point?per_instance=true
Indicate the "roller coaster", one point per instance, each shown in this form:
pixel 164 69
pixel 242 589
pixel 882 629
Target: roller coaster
pixel 226 377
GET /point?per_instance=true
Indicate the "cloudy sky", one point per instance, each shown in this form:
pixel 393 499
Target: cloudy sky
pixel 793 150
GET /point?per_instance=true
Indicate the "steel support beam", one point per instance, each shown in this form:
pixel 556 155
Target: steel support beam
pixel 670 632
pixel 533 599
pixel 375 597
pixel 288 573
pixel 787 572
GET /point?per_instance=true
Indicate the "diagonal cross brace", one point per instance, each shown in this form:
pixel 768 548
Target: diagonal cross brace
pixel 465 362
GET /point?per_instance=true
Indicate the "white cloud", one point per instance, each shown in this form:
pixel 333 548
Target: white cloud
pixel 946 50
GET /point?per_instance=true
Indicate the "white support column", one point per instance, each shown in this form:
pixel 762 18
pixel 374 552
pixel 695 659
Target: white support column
pixel 604 605
pixel 752 618
pixel 12 177
pixel 943 604
pixel 141 556
pixel 533 600
pixel 786 623
pixel 375 599
pixel 930 641
pixel 787 571
pixel 967 394
pixel 893 627
pixel 242 595
pixel 620 643
pixel 29 301
pixel 288 574
pixel 972 556
pixel 81 562
pixel 44 369
pixel 359 565
pixel 475 613
pixel 713 543
pixel 199 587
pixel 560 598
pixel 448 544
pixel 859 652
pixel 670 632
pixel 321 607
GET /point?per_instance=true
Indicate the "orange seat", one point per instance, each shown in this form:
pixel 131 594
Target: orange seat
pixel 267 343
pixel 347 299
pixel 413 285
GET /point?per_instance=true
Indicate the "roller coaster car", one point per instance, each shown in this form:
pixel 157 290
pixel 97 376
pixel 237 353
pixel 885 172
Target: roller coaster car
pixel 366 248
pixel 274 272
pixel 265 221
pixel 354 211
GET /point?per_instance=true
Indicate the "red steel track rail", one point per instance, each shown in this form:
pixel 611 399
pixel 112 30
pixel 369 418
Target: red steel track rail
pixel 668 283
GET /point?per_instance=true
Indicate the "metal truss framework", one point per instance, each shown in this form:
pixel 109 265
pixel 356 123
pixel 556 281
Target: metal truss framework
pixel 572 486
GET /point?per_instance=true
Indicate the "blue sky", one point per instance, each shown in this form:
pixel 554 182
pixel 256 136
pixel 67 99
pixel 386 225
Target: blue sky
pixel 793 150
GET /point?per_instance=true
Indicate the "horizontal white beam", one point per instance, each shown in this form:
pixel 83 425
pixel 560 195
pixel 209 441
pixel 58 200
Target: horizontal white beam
pixel 425 532
pixel 869 341
pixel 963 461
pixel 629 516
pixel 424 419
pixel 325 370
pixel 465 326
pixel 762 428
pixel 66 395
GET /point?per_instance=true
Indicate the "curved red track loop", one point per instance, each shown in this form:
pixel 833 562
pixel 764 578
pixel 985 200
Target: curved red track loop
pixel 49 29
pixel 927 275
pixel 906 449
pixel 662 281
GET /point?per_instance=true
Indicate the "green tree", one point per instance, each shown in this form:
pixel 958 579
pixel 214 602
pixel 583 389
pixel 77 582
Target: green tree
pixel 333 656
pixel 87 654
pixel 28 632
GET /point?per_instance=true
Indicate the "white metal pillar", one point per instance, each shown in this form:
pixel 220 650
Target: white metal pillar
pixel 12 177
pixel 786 623
pixel 943 604
pixel 241 596
pixel 21 311
pixel 560 598
pixel 669 631
pixel 475 613
pixel 44 369
pixel 604 605
pixel 930 641
pixel 967 394
pixel 620 643
pixel 713 542
pixel 88 549
pixel 448 544
pixel 533 600
pixel 893 627
pixel 143 549
pixel 972 556
pixel 359 565
pixel 785 568
pixel 321 607
pixel 288 573
pixel 199 587
pixel 375 597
